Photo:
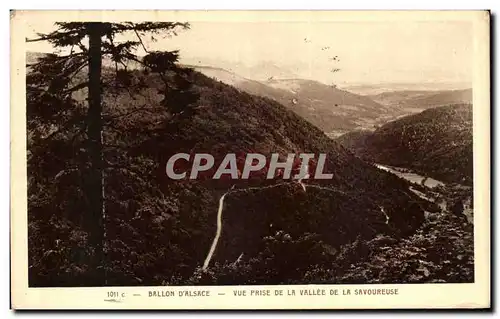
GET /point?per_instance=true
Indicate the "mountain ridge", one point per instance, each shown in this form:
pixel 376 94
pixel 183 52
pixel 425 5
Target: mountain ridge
pixel 329 108
pixel 436 142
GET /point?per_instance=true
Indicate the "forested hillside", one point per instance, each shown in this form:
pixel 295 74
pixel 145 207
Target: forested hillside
pixel 436 143
pixel 423 99
pixel 158 231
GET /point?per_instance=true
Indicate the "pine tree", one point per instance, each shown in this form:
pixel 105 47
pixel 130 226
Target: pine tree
pixel 54 80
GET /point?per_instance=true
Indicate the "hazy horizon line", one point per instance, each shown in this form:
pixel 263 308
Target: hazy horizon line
pixel 461 84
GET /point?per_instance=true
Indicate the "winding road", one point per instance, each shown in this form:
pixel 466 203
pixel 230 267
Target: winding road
pixel 232 190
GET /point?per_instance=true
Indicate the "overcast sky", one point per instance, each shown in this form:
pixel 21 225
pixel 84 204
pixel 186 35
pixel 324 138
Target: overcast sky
pixel 368 52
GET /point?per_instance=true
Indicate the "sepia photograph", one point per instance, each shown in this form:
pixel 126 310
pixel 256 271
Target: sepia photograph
pixel 321 150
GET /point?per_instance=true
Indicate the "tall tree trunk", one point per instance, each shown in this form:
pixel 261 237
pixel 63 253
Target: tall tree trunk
pixel 94 219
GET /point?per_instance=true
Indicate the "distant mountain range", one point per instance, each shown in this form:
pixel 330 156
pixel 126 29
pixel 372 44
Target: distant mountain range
pixel 260 71
pixel 335 111
pixel 378 88
pixel 421 100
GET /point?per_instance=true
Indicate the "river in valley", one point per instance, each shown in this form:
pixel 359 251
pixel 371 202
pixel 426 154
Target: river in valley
pixel 411 176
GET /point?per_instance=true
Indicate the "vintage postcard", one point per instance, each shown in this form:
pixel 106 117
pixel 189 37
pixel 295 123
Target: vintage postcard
pixel 250 160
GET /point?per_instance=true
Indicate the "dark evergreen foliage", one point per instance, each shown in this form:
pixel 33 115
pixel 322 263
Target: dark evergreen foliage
pixel 156 231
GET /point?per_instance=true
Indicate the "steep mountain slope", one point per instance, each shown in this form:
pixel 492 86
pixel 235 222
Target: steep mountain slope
pixel 354 141
pixel 158 231
pixel 332 110
pixel 436 142
pixel 320 102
